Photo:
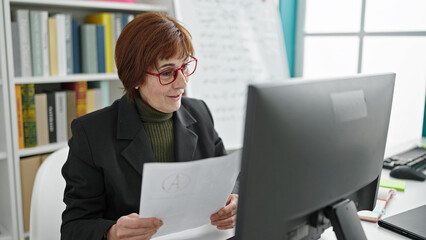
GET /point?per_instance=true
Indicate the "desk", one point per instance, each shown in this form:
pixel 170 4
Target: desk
pixel 414 196
pixel 205 232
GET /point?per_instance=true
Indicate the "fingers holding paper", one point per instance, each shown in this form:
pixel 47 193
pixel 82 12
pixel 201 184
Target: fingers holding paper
pixel 133 227
pixel 226 217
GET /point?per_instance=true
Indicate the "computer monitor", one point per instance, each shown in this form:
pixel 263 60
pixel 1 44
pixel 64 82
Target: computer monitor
pixel 313 151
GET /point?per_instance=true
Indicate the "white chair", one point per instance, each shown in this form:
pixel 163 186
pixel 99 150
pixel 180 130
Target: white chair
pixel 47 198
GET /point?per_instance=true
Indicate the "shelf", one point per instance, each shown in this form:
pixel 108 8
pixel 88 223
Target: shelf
pixel 67 78
pixel 4 234
pixel 2 157
pixel 41 149
pixel 98 5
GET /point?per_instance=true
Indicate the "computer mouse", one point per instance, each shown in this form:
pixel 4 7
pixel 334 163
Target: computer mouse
pixel 406 172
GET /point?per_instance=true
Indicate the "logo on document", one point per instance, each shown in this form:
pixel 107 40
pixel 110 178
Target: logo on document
pixel 175 183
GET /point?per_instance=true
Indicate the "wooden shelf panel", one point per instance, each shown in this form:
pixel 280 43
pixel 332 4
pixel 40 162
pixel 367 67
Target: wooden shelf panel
pixel 98 5
pixel 41 149
pixel 67 78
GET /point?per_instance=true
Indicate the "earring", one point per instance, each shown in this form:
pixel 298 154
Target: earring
pixel 136 87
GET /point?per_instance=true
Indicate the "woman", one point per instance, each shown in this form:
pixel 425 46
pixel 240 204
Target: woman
pixel 153 122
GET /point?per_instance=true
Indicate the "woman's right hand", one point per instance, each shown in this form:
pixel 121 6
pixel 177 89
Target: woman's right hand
pixel 133 227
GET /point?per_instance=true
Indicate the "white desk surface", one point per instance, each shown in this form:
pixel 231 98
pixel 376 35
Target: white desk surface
pixel 414 196
pixel 205 232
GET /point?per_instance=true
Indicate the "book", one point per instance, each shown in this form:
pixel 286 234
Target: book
pixel 68 44
pixel 100 44
pixel 71 110
pixel 105 92
pixel 53 47
pixel 20 123
pixel 61 116
pixel 51 116
pixel 383 197
pixel 118 26
pixel 126 19
pixel 89 55
pixel 45 43
pixel 22 18
pixel 29 167
pixel 105 19
pixel 76 46
pixel 28 115
pixel 16 50
pixel 80 89
pixel 61 43
pixel 116 90
pixel 41 119
pixel 94 99
pixel 36 43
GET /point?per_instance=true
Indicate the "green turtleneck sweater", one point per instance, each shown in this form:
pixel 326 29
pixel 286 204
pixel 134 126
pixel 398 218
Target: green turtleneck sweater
pixel 159 129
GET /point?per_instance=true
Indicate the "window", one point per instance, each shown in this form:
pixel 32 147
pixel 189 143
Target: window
pixel 336 37
pixel 344 37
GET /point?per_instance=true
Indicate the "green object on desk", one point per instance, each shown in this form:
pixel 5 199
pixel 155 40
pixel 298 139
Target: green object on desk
pixel 395 184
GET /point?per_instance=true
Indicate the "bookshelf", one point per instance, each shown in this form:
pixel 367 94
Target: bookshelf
pixel 8 201
pixel 11 209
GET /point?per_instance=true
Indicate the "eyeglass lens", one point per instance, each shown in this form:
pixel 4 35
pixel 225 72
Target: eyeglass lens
pixel 170 75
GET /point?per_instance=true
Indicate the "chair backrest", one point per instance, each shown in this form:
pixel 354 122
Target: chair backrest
pixel 47 198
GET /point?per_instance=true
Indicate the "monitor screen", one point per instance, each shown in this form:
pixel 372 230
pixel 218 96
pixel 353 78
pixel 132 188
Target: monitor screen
pixel 310 145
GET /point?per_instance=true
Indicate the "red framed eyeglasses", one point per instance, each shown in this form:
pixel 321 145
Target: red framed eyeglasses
pixel 168 76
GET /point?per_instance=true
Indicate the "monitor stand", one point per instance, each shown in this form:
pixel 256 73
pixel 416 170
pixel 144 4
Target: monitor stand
pixel 345 221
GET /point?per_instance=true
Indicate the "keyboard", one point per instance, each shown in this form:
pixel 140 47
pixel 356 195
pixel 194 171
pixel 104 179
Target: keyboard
pixel 414 158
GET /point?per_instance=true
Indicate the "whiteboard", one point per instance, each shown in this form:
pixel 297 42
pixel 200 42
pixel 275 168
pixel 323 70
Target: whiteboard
pixel 236 42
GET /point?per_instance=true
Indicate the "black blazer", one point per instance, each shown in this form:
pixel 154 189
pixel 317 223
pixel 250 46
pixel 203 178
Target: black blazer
pixel 108 148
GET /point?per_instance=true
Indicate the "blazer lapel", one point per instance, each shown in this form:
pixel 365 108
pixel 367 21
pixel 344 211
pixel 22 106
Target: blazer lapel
pixel 185 138
pixel 129 127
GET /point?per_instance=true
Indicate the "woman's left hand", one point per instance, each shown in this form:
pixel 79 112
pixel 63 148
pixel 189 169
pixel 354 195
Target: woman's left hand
pixel 226 217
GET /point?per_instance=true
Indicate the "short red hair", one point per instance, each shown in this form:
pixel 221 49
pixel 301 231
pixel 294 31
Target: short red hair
pixel 150 37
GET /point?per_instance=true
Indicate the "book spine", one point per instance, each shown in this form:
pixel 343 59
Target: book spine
pixel 36 44
pixel 68 43
pixel 61 44
pixel 61 116
pixel 76 46
pixel 45 43
pixel 89 53
pixel 20 121
pixel 53 47
pixel 28 167
pixel 100 47
pixel 118 26
pixel 71 110
pixel 81 104
pixel 51 116
pixel 125 20
pixel 24 41
pixel 90 100
pixel 130 18
pixel 80 89
pixel 105 19
pixel 41 119
pixel 16 50
pixel 113 40
pixel 105 92
pixel 28 115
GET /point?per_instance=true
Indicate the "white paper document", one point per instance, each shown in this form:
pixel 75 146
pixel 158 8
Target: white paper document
pixel 184 194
